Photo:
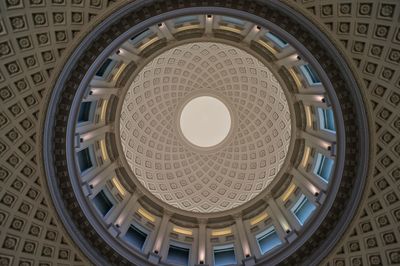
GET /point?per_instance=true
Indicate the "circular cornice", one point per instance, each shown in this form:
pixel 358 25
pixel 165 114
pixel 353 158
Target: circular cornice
pixel 356 139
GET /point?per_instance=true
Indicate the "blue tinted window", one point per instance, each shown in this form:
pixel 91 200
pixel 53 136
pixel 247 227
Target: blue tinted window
pixel 303 209
pixel 268 240
pixel 280 42
pixel 103 68
pixel 84 160
pixel 234 21
pixel 135 237
pixel 323 167
pixel 224 256
pixel 309 73
pixel 185 19
pixel 84 112
pixel 102 203
pixel 326 118
pixel 178 255
pixel 141 36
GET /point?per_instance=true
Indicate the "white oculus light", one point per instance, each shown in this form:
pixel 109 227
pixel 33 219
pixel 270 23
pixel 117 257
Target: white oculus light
pixel 205 121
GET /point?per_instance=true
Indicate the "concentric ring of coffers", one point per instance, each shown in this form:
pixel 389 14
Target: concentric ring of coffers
pixel 147 124
pixel 205 179
pixel 116 218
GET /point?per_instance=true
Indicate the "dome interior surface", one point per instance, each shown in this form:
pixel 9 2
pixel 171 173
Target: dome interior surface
pixel 224 176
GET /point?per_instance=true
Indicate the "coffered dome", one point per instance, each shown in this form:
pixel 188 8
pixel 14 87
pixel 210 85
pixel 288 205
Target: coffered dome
pixel 256 181
pixel 205 179
pixel 69 196
pixel 149 132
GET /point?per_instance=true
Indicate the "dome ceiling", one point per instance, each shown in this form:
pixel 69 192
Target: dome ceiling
pixel 130 164
pixel 37 35
pixel 221 177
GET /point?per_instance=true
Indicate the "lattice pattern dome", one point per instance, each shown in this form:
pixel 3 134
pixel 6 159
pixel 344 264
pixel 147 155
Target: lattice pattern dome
pixel 222 178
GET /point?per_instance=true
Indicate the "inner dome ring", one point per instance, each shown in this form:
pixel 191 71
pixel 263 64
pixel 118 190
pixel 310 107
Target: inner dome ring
pixel 234 171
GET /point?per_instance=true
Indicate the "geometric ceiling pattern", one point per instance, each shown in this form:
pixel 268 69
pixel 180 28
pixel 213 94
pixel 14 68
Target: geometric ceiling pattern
pixel 33 36
pixel 369 34
pixel 234 172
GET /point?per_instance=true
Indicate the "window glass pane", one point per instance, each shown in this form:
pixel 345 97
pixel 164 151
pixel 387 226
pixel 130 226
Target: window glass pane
pixel 326 119
pixel 84 160
pixel 102 203
pixel 136 237
pixel 303 209
pixel 234 21
pixel 84 112
pixel 178 255
pixel 329 120
pixel 224 256
pixel 268 240
pixel 103 67
pixel 141 36
pixel 324 167
pixel 185 19
pixel 311 76
pixel 280 42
